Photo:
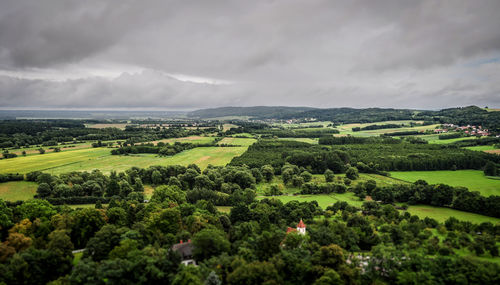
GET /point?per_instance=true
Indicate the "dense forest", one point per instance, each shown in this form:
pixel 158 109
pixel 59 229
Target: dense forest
pixel 378 154
pixel 255 243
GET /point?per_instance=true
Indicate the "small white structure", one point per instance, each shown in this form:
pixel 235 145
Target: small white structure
pixel 301 227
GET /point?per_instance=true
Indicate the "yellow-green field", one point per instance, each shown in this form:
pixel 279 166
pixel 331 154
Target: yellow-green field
pixel 191 139
pixel 324 200
pixel 306 140
pixel 237 141
pixel 347 129
pixel 475 180
pixel 438 213
pixel 17 190
pixel 101 158
pixel 442 214
pixel 434 139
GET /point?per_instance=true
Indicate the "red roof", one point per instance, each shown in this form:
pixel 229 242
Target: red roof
pixel 301 224
pixel 289 230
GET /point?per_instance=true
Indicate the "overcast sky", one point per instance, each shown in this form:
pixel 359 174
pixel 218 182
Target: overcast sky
pixel 194 54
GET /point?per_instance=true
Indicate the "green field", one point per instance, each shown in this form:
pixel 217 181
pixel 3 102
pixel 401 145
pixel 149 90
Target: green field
pixel 306 140
pixel 441 214
pixel 324 200
pixel 481 147
pixel 438 213
pixel 475 180
pixel 191 139
pixel 237 141
pixel 17 190
pixel 434 139
pixel 347 129
pixel 101 158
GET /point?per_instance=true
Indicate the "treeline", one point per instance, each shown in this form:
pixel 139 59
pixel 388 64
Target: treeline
pixel 439 195
pixel 403 133
pixel 377 127
pixel 161 149
pixel 11 177
pixel 450 136
pixel 219 185
pixel 26 133
pixel 330 140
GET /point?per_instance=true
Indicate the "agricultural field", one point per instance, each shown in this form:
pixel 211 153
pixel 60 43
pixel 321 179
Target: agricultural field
pixel 226 127
pixel 33 150
pixel 237 141
pixel 441 214
pixel 51 160
pixel 191 139
pixel 324 124
pixel 485 148
pixel 306 140
pixel 474 180
pixel 438 213
pixel 434 139
pixel 17 190
pixel 103 126
pixel 347 128
pixel 101 158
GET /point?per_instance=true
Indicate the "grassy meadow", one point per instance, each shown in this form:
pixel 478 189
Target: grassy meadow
pixel 17 190
pixel 347 128
pixel 474 180
pixel 434 139
pixel 324 200
pixel 101 158
pixel 441 214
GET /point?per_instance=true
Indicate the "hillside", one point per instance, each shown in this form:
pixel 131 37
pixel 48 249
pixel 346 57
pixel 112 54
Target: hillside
pixel 257 112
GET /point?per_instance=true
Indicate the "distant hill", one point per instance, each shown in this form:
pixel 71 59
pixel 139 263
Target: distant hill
pixel 344 115
pixel 257 112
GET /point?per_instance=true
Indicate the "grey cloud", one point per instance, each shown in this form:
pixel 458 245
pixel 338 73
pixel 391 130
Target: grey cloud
pixel 400 53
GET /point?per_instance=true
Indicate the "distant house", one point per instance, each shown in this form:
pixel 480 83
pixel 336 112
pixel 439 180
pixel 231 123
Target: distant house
pixel 301 228
pixel 185 250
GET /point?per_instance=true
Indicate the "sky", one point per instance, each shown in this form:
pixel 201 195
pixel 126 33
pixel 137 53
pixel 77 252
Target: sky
pixel 161 54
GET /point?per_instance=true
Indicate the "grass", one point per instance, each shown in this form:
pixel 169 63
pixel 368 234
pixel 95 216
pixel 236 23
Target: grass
pixel 237 141
pixel 434 139
pixel 148 191
pixel 474 180
pixel 347 129
pixel 481 147
pixel 76 258
pixel 50 160
pixel 441 214
pixel 191 139
pixel 306 140
pixel 17 190
pixel 324 200
pixel 318 178
pixel 101 158
pixel 224 209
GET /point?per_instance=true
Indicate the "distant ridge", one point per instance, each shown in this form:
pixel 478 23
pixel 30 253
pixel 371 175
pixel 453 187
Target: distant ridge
pixel 258 112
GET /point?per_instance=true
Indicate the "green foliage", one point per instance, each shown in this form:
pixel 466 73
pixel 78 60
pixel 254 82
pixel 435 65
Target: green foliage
pixel 208 243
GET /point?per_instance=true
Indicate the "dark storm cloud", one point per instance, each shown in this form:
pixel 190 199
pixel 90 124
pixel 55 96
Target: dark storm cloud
pixel 285 52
